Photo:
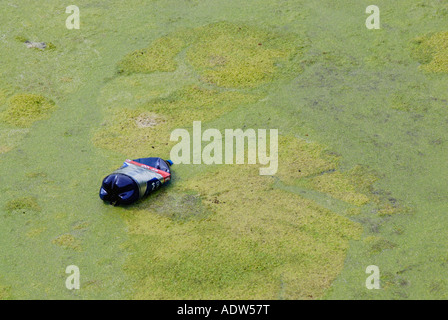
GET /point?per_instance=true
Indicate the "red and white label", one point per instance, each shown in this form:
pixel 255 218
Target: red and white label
pixel 166 176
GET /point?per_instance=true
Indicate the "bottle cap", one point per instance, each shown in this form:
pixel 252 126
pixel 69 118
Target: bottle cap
pixel 119 189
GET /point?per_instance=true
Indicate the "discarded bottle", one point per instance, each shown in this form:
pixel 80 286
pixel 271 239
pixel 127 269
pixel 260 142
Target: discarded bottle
pixel 134 180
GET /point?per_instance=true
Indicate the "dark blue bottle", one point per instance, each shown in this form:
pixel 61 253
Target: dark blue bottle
pixel 134 180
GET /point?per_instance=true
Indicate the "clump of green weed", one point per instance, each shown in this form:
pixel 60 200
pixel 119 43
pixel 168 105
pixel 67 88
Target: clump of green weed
pixel 35 232
pixel 408 102
pixel 224 54
pixel 36 174
pixel 23 205
pixel 230 55
pixel 354 211
pixel 378 244
pixel 81 225
pixel 198 103
pixel 300 158
pixel 67 241
pixel 438 288
pixel 20 38
pixel 122 133
pixel 158 57
pixel 432 51
pixel 5 293
pixel 312 165
pixel 352 186
pixel 339 187
pixel 24 109
pixel 147 129
pixel 50 46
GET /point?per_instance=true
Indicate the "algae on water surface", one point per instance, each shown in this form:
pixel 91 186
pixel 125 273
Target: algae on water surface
pixel 24 109
pixel 223 247
pixel 432 51
pixel 310 69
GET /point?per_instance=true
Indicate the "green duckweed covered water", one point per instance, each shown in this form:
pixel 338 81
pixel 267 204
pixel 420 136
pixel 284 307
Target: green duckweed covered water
pixel 361 116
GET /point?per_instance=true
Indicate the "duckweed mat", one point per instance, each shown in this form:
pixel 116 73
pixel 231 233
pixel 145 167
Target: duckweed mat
pixel 362 158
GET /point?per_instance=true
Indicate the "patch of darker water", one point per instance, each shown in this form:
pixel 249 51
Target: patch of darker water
pixel 175 203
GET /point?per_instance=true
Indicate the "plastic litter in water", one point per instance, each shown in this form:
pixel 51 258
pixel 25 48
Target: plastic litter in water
pixel 135 180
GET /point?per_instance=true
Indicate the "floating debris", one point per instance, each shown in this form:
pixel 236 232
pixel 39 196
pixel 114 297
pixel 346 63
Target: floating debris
pixel 38 45
pixel 134 180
